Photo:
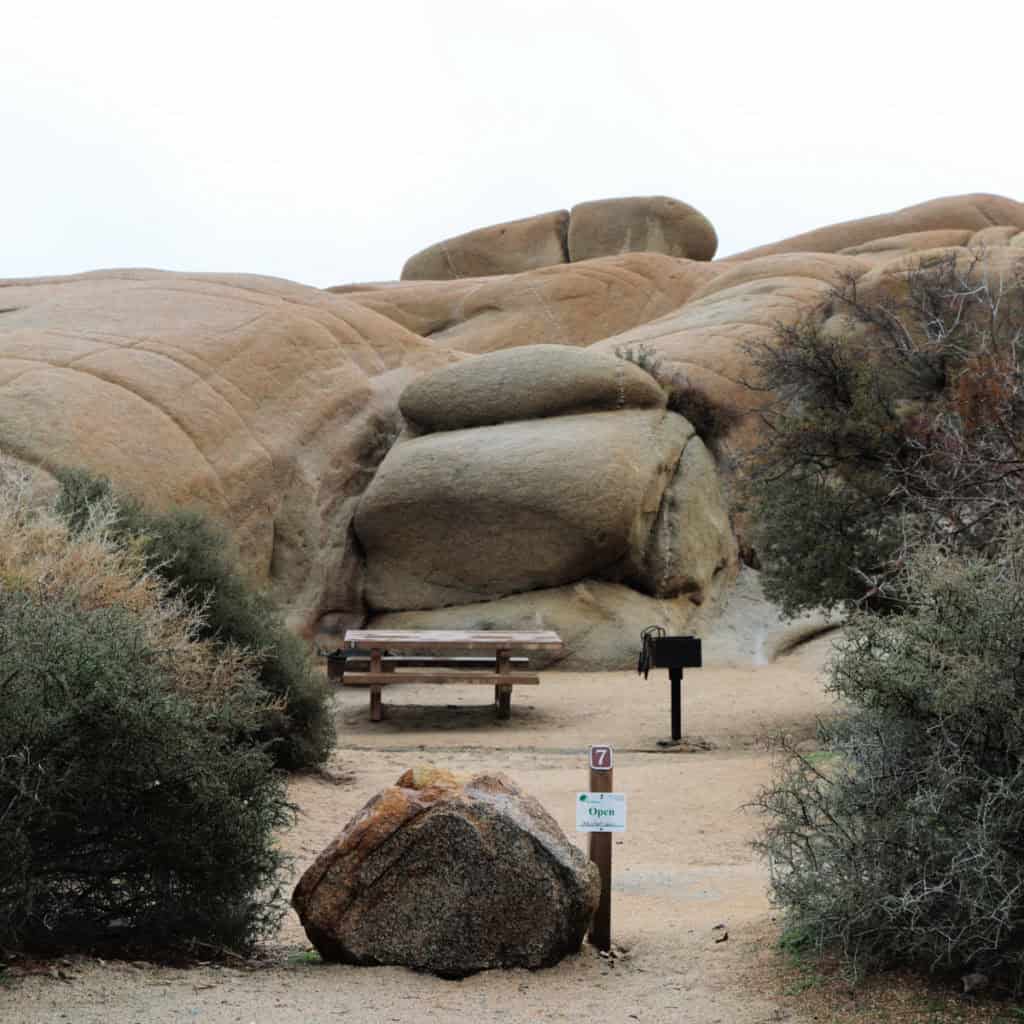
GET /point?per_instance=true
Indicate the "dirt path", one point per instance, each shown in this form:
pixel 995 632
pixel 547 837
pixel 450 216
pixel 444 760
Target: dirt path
pixel 683 868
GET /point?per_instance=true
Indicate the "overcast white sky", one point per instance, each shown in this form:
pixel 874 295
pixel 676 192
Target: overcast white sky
pixel 327 142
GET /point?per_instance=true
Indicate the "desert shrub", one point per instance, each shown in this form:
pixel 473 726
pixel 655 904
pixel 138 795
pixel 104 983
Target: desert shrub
pixel 711 419
pixel 819 544
pixel 907 409
pixel 137 810
pixel 188 552
pixel 900 843
pixel 133 816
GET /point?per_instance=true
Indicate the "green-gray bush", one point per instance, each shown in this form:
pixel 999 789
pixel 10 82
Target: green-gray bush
pixel 134 817
pixel 906 423
pixel 819 544
pixel 905 847
pixel 186 550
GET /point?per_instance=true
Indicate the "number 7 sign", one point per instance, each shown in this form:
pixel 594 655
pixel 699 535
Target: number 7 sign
pixel 601 758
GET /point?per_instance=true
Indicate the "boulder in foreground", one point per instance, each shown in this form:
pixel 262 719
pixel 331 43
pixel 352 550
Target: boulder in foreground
pixel 449 876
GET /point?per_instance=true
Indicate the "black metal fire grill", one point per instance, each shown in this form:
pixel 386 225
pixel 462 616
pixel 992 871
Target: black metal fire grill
pixel 674 653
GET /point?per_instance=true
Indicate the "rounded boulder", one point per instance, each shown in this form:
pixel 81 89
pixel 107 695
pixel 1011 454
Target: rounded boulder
pixel 449 876
pixel 607 227
pixel 525 384
pixel 507 248
pixel 469 515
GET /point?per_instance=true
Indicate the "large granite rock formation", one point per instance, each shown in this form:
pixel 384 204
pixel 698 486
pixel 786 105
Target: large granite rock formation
pixel 261 401
pixel 451 877
pixel 548 486
pixel 541 471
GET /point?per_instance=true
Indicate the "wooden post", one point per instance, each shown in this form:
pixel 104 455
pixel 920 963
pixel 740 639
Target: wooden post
pixel 601 854
pixel 503 694
pixel 376 710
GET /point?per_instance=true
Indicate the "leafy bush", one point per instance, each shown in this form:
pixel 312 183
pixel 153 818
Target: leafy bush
pixel 817 543
pixel 712 420
pixel 902 845
pixel 136 812
pixel 191 555
pixel 907 409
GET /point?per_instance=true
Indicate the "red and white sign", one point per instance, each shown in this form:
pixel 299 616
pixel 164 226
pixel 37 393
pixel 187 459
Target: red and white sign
pixel 601 758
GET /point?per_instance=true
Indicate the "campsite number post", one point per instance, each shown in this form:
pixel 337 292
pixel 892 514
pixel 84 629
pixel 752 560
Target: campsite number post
pixel 601 812
pixel 601 849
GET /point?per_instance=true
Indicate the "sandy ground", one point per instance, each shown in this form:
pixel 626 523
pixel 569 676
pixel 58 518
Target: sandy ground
pixel 683 867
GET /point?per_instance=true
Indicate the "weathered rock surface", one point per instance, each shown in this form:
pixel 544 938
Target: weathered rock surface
pixel 608 227
pixel 706 339
pixel 499 249
pixel 974 213
pixel 745 628
pixel 260 401
pixel 523 384
pixel 691 539
pixel 451 877
pixel 466 515
pixel 571 304
pixel 599 622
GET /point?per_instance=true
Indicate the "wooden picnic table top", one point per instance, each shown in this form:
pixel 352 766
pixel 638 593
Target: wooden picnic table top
pixel 451 639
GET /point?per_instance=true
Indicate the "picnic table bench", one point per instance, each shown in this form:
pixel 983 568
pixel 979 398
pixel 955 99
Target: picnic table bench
pixel 445 656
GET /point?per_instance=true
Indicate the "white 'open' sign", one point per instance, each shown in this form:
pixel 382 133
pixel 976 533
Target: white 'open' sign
pixel 600 812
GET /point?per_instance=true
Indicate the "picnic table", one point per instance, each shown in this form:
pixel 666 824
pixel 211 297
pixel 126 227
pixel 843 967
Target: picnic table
pixel 446 656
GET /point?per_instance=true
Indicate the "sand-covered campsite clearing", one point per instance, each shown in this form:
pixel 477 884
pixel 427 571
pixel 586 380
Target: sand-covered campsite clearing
pixel 683 867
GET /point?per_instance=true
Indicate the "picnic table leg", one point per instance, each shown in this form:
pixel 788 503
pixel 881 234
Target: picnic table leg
pixel 503 694
pixel 335 668
pixel 376 706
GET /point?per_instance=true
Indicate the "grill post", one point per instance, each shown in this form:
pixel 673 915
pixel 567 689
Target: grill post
pixel 675 675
